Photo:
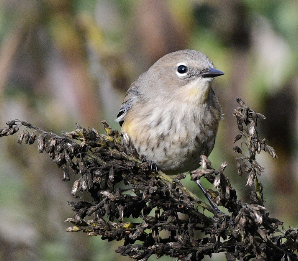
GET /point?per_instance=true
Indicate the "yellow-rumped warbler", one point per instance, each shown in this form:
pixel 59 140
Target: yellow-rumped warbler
pixel 170 114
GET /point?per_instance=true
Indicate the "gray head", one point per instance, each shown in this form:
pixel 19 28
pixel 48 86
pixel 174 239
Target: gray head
pixel 178 69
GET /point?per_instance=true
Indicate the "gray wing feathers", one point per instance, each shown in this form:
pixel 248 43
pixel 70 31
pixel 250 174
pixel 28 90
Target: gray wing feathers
pixel 123 110
pixel 132 96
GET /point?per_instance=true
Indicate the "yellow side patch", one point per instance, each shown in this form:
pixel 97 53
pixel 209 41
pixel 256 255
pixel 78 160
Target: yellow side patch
pixel 130 127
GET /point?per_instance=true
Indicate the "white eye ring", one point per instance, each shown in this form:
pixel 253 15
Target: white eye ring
pixel 181 69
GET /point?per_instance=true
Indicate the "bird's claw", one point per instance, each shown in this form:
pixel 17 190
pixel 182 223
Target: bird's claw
pixel 152 165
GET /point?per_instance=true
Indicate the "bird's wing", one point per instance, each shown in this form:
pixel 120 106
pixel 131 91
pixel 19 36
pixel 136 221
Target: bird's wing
pixel 132 96
pixel 123 111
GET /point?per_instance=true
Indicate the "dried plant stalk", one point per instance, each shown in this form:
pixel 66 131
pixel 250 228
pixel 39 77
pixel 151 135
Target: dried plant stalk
pixel 156 215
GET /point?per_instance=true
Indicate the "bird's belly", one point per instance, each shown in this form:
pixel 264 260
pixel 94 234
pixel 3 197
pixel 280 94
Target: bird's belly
pixel 174 144
pixel 177 149
pixel 178 152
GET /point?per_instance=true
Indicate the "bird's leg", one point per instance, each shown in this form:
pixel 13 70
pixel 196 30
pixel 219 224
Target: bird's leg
pixel 208 197
pixel 152 165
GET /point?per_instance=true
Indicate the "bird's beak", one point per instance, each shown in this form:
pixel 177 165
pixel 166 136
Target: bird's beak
pixel 211 73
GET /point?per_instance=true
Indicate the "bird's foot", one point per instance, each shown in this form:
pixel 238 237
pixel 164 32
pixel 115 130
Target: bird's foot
pixel 152 165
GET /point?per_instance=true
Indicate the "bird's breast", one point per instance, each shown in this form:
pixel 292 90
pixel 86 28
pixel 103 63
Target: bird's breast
pixel 174 136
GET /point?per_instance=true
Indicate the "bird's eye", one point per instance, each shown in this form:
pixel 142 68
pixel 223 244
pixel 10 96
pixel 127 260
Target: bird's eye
pixel 182 69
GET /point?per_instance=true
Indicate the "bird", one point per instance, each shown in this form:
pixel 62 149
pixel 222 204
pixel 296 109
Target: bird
pixel 170 114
